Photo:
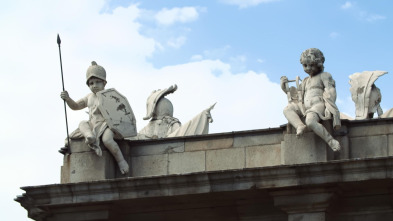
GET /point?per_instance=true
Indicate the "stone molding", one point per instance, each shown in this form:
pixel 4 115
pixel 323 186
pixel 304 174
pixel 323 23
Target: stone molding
pixel 326 174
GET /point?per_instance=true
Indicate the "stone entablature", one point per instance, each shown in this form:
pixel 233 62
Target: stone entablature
pixel 337 190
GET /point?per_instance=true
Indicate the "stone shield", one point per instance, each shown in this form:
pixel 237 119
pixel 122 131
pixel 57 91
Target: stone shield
pixel 117 112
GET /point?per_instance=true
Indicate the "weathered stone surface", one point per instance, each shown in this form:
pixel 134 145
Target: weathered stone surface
pixel 187 162
pixel 304 204
pixel 260 156
pixel 78 145
pixel 225 159
pixel 245 194
pixel 156 148
pixel 305 149
pixel 117 112
pixel 152 165
pixel 316 216
pixel 210 144
pixel 370 146
pixel 370 130
pixel 87 166
pixel 257 140
pixel 365 94
pixel 344 152
pixel 390 145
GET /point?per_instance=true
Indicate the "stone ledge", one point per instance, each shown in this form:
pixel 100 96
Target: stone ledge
pixel 207 182
pixel 370 127
pixel 220 143
pixel 262 156
pixel 370 146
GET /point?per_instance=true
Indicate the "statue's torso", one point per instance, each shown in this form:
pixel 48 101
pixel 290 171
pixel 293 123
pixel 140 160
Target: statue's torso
pixel 313 91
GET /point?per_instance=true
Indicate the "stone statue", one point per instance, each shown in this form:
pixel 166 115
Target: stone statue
pixel 160 111
pixel 196 126
pixel 162 123
pixel 314 99
pixel 100 125
pixel 365 94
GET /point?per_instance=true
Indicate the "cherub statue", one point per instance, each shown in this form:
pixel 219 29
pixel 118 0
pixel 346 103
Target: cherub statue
pixel 96 127
pixel 315 99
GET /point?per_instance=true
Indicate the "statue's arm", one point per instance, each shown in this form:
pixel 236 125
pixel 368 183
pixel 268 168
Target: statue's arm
pixel 379 110
pixel 284 83
pixel 330 86
pixel 74 105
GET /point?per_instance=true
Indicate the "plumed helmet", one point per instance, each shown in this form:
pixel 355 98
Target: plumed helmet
pixel 95 70
pixel 163 108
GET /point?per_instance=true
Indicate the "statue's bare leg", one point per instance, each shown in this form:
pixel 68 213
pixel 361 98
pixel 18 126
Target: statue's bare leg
pixel 110 143
pixel 85 129
pixel 312 122
pixel 294 119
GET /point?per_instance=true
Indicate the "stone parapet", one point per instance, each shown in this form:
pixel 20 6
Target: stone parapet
pixel 228 151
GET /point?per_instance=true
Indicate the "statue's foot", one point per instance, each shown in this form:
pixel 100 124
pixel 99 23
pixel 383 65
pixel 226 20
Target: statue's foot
pixel 334 144
pixel 90 140
pixel 65 150
pixel 300 130
pixel 98 151
pixel 96 148
pixel 123 165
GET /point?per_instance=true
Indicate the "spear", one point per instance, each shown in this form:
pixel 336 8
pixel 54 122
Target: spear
pixel 62 81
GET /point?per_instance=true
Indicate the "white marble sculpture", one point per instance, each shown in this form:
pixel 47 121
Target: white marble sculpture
pixel 314 99
pixel 197 126
pixel 159 110
pixel 110 116
pixel 163 124
pixel 365 94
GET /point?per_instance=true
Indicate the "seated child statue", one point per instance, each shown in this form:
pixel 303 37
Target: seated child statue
pixel 316 99
pixel 96 127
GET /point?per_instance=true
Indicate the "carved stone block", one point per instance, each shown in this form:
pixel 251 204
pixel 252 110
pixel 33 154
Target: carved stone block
pixel 187 162
pixel 370 146
pixel 257 140
pixel 261 156
pixel 224 159
pixel 197 145
pixel 87 166
pixel 151 165
pixel 307 148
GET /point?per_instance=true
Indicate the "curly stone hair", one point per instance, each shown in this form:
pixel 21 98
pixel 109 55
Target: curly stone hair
pixel 313 55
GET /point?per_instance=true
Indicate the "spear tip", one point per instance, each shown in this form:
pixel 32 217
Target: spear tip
pixel 58 39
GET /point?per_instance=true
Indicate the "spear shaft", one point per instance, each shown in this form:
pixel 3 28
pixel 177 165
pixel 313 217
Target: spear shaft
pixel 62 81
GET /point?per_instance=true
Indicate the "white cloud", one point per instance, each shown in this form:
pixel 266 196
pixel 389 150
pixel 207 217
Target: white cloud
pixel 245 3
pixel 259 60
pixel 374 17
pixel 346 5
pixel 177 42
pixel 217 53
pixel 196 57
pixel 361 14
pixel 182 15
pixel 238 63
pixel 334 35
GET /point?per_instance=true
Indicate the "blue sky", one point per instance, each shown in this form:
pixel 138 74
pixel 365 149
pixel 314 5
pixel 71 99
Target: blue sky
pixel 268 37
pixel 232 52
